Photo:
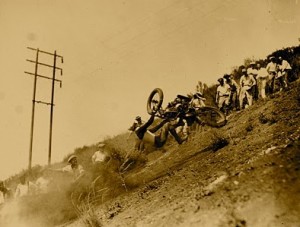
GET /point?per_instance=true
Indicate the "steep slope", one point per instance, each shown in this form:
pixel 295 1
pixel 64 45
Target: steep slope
pixel 253 181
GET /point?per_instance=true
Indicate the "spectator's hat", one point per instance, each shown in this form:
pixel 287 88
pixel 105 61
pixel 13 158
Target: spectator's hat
pixel 272 57
pixel 252 63
pixel 100 145
pixel 244 70
pixel 226 76
pixel 220 80
pixel 71 158
pixel 138 118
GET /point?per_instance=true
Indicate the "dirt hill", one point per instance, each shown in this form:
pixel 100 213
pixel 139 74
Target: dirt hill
pixel 246 173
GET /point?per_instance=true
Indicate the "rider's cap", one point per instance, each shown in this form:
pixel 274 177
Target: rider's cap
pixel 252 63
pixel 244 70
pixel 272 57
pixel 280 58
pixel 71 158
pixel 220 80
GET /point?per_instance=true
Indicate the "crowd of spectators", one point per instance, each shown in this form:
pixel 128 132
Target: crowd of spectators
pixel 256 82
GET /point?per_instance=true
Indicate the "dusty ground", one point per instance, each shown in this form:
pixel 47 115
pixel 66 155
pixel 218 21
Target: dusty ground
pixel 253 181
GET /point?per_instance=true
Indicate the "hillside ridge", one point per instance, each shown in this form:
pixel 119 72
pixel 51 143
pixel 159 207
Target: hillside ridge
pixel 252 181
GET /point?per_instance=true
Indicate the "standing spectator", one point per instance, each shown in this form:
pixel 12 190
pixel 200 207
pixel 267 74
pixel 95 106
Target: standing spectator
pixel 234 91
pixel 253 71
pixel 284 69
pixel 222 96
pixel 99 160
pixel 246 83
pixel 139 145
pixel 262 78
pixel 272 68
pixel 99 156
pixel 4 193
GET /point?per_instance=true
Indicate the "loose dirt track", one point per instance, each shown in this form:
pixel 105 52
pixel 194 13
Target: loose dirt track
pixel 253 181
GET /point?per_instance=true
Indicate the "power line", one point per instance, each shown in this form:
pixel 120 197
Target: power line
pixel 34 101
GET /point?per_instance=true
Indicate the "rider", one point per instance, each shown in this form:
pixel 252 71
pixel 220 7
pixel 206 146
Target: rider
pixel 197 100
pixel 147 135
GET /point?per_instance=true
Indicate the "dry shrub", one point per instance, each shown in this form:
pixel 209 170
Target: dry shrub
pixel 263 119
pixel 249 127
pixel 218 142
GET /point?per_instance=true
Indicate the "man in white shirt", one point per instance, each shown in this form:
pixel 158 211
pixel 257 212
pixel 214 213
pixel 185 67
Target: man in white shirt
pixel 284 69
pixel 234 91
pixel 253 71
pixel 272 69
pixel 262 78
pixel 246 83
pixel 223 95
pixel 99 156
pixel 74 168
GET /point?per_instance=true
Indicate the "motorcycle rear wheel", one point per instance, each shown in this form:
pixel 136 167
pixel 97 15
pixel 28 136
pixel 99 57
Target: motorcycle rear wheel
pixel 212 116
pixel 155 101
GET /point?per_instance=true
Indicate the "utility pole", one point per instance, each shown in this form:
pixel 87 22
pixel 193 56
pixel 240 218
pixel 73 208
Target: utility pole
pixel 34 101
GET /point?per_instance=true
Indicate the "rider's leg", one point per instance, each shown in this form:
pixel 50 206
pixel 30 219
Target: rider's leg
pixel 161 139
pixel 142 130
pixel 157 127
pixel 176 136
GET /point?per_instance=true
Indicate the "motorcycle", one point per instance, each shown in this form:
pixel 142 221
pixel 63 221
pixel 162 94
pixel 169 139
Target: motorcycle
pixel 181 108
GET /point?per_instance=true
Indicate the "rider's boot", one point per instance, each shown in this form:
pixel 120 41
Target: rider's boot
pixel 142 129
pixel 177 137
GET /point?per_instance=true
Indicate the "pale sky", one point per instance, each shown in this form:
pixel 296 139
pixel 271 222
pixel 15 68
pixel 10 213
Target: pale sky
pixel 115 52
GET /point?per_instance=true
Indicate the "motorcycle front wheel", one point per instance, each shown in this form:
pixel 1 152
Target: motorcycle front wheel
pixel 155 100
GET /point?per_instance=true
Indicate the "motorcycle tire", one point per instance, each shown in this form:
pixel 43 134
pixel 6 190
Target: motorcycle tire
pixel 212 116
pixel 150 103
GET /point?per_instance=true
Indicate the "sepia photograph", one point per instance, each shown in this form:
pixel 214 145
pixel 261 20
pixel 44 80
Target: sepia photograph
pixel 150 113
